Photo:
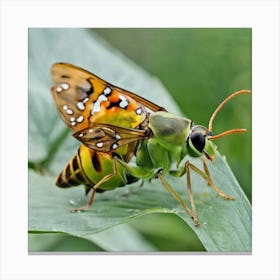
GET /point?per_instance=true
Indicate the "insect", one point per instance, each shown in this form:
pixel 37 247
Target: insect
pixel 115 125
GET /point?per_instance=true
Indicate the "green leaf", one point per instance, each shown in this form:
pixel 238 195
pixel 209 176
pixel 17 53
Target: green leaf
pixel 58 242
pixel 113 239
pixel 109 240
pixel 225 225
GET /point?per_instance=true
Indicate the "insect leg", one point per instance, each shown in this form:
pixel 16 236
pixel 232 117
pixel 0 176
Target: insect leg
pixel 207 177
pixel 178 198
pixel 189 189
pixel 136 171
pixel 212 185
pixel 96 186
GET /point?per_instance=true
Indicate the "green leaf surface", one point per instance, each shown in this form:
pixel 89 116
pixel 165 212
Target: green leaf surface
pixel 113 239
pixel 108 240
pixel 225 225
pixel 58 242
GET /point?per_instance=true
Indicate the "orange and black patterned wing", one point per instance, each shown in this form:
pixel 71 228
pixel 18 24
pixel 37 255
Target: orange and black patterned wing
pixel 83 98
pixel 87 103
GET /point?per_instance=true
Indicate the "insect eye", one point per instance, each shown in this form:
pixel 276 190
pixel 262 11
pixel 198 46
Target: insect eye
pixel 198 140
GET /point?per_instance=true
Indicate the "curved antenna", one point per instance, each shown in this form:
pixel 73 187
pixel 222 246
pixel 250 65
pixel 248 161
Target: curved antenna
pixel 237 130
pixel 228 132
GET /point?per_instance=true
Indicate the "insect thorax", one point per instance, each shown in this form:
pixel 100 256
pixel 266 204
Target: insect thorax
pixel 169 132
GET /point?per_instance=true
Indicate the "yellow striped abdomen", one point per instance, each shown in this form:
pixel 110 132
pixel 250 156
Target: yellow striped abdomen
pixel 88 167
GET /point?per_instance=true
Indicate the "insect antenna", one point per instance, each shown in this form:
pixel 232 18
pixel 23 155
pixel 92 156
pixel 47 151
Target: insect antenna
pixel 228 132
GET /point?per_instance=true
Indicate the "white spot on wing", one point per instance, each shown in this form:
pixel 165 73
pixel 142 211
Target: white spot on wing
pixel 81 106
pixel 86 100
pixel 124 103
pixel 99 144
pixel 115 146
pixel 69 111
pixel 73 123
pixel 72 119
pixel 65 86
pixel 107 91
pixel 58 89
pixel 65 107
pixel 80 119
pixel 117 136
pixel 96 106
pixel 139 111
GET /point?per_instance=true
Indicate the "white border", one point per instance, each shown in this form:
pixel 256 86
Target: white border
pixel 262 16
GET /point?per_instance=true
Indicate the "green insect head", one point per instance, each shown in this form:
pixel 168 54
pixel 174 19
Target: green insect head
pixel 199 139
pixel 198 143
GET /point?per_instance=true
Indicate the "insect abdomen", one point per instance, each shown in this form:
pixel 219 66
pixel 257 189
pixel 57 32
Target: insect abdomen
pixel 72 174
pixel 88 167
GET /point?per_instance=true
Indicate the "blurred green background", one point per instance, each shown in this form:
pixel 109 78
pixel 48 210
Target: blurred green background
pixel 199 67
